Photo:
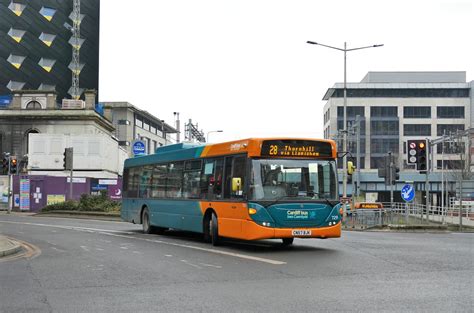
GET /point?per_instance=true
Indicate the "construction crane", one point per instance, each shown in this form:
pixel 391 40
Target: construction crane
pixel 76 43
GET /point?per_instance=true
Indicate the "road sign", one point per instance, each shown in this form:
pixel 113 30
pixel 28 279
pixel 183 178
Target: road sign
pixel 408 193
pixel 138 147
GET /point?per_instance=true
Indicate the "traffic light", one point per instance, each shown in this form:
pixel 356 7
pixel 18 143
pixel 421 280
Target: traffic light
pixel 5 165
pixel 67 158
pixel 418 154
pixel 13 165
pixel 395 174
pixel 422 164
pixel 350 170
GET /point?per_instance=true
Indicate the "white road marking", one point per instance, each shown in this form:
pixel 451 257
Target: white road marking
pixel 210 265
pixel 99 249
pixel 59 250
pixel 191 264
pixel 168 255
pixel 125 248
pixel 85 248
pixel 125 234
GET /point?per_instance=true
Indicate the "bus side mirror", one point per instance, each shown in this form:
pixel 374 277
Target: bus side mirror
pixel 236 184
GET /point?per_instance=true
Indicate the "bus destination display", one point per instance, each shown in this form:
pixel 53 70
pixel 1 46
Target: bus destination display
pixel 296 148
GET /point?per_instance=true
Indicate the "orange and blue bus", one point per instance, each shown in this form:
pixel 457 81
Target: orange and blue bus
pixel 248 189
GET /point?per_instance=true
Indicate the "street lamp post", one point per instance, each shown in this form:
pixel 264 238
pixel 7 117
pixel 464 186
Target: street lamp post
pixel 344 138
pixel 212 131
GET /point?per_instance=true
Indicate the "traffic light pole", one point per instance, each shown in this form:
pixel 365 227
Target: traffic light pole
pixel 70 183
pixel 10 191
pixel 391 178
pixel 427 182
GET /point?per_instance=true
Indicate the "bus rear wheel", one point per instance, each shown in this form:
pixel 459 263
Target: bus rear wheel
pixel 147 228
pixel 287 241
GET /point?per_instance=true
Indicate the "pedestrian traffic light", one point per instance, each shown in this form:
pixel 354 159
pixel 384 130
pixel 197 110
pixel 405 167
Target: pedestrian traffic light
pixel 13 165
pixel 67 158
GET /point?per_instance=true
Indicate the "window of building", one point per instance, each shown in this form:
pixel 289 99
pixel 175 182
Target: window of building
pixel 146 125
pixel 450 147
pixel 47 87
pixel 351 111
pixel 383 111
pixel 450 112
pixel 377 162
pixel 138 121
pixel 352 146
pixel 152 128
pixel 384 145
pixel 417 130
pixel 16 60
pixel 450 164
pixel 47 39
pixel 417 112
pixel 123 122
pixel 350 122
pixel 384 127
pixel 47 64
pixel 48 13
pixel 16 8
pixel 448 128
pixel 16 34
pixel 13 85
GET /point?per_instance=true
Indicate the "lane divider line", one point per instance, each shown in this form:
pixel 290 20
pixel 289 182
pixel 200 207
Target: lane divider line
pixel 125 234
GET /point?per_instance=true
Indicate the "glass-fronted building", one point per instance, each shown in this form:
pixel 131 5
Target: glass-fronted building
pixel 36 46
pixel 395 107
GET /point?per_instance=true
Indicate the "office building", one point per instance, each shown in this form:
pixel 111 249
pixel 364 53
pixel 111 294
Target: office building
pixel 395 107
pixel 36 47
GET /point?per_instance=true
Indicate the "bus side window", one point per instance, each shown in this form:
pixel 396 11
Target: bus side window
pixel 125 183
pixel 159 181
pixel 133 179
pixel 211 179
pixel 174 187
pixel 191 179
pixel 145 181
pixel 239 170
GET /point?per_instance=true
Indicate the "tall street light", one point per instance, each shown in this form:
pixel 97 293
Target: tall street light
pixel 344 133
pixel 212 131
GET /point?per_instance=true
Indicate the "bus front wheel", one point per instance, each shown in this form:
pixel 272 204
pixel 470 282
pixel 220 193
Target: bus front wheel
pixel 214 230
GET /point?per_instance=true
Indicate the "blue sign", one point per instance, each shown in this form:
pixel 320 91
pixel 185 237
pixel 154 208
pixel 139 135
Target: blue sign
pixel 408 193
pixel 139 148
pixel 5 100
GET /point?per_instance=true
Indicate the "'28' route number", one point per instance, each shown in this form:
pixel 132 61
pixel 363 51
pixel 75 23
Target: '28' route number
pixel 273 150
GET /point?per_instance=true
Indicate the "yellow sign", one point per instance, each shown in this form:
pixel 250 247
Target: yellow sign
pixel 52 199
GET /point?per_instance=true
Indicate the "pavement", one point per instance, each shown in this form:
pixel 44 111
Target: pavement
pixel 8 246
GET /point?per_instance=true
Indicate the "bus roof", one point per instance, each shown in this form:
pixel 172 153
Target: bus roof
pixel 253 147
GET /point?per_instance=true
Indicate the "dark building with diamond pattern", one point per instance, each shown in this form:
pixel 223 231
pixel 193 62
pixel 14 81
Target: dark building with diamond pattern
pixel 35 53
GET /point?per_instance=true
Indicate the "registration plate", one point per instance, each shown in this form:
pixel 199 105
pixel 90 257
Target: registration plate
pixel 301 232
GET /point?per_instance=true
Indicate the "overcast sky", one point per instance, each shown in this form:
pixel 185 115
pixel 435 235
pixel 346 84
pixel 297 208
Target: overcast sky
pixel 244 66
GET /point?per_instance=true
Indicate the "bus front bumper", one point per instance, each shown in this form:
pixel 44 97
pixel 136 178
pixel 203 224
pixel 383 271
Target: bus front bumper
pixel 253 231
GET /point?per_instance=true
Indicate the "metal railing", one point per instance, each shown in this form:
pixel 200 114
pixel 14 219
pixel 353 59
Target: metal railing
pixel 407 214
